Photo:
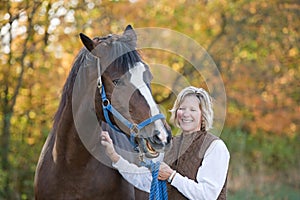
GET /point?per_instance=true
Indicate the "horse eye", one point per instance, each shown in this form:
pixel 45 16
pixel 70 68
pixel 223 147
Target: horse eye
pixel 115 82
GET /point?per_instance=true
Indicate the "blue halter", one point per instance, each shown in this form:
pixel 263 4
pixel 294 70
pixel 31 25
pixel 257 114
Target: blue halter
pixel 107 107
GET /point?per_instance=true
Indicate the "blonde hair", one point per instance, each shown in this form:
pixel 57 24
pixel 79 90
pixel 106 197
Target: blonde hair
pixel 205 104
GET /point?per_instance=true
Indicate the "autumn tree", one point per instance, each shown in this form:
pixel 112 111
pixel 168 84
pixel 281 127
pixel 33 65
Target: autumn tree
pixel 253 43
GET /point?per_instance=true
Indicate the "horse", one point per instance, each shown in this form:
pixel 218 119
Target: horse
pixel 108 83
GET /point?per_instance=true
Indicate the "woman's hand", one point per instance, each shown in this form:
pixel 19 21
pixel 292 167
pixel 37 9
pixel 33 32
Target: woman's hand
pixel 109 147
pixel 164 171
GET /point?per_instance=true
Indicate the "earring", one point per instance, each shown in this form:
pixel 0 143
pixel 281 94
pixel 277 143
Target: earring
pixel 202 125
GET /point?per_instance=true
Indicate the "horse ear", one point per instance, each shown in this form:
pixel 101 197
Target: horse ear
pixel 88 43
pixel 130 33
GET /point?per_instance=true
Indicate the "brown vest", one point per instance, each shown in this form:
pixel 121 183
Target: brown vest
pixel 186 156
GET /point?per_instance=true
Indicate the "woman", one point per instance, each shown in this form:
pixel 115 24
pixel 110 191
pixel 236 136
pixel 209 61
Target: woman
pixel 196 166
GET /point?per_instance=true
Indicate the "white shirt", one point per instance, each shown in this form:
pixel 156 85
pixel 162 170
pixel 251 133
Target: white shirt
pixel 210 176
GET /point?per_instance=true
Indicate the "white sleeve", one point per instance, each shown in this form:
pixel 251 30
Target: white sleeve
pixel 211 175
pixel 139 177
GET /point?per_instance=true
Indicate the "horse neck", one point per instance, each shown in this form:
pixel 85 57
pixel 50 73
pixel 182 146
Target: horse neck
pixel 68 147
pixel 74 108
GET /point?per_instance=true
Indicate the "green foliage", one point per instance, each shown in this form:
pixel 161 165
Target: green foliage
pixel 260 160
pixel 3 176
pixel 274 152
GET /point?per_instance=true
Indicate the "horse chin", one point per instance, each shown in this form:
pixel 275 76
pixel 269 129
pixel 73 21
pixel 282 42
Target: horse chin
pixel 147 149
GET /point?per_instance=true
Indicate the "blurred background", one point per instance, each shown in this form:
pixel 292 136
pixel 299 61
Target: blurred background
pixel 254 43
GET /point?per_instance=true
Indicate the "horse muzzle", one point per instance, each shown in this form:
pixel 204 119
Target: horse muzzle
pixel 157 143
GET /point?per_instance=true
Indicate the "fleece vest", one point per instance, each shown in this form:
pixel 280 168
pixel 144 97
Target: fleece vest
pixel 186 156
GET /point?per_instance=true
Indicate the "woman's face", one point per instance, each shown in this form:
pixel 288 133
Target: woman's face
pixel 189 114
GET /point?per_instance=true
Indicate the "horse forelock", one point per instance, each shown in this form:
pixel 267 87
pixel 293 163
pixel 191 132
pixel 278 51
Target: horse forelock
pixel 122 58
pixel 117 52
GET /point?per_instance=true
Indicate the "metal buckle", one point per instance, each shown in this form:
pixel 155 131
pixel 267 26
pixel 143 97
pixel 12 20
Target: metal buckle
pixel 134 129
pixel 141 157
pixel 99 82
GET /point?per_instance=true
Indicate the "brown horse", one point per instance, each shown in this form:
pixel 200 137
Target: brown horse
pixel 72 164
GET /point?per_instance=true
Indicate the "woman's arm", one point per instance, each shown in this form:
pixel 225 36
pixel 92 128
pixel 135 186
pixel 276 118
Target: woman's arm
pixel 140 177
pixel 211 175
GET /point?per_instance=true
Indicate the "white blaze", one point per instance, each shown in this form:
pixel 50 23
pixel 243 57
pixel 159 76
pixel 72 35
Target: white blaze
pixel 137 80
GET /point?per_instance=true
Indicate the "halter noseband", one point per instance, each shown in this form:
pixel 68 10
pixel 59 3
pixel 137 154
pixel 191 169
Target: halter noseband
pixel 107 107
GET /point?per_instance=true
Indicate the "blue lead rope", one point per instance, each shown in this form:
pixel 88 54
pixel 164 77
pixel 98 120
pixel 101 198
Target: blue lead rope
pixel 158 189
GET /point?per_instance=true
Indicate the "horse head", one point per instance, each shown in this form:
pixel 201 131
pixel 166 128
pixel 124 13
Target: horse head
pixel 124 98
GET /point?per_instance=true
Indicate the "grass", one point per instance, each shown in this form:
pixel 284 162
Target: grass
pixel 268 192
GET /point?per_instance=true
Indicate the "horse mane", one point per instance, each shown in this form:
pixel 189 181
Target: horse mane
pixel 121 63
pixel 68 86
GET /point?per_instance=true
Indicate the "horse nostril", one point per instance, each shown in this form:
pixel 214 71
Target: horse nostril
pixel 169 139
pixel 156 138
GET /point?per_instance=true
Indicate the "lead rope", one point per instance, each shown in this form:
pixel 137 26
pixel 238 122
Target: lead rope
pixel 158 190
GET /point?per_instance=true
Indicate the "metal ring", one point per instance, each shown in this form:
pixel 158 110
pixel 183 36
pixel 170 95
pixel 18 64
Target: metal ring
pixel 134 129
pixel 105 102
